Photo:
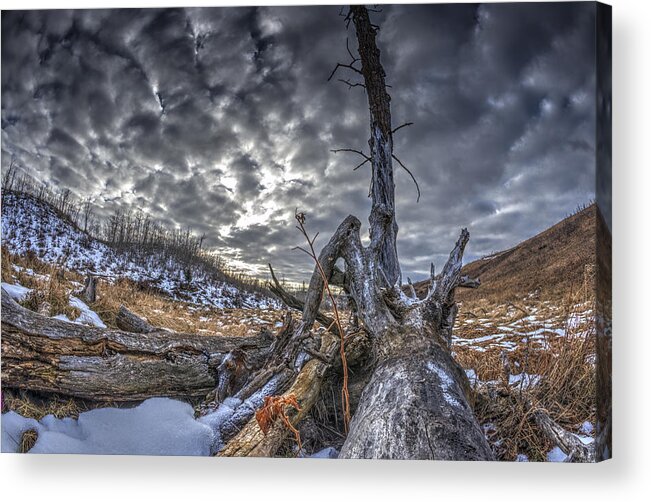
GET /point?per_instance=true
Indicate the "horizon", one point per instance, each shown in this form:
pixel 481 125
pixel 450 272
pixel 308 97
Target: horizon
pixel 222 120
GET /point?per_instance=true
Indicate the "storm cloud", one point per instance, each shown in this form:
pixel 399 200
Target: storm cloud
pixel 221 119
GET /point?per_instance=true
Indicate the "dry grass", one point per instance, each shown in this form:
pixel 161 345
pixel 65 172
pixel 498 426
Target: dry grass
pixel 551 263
pixel 52 287
pixel 29 406
pixel 27 440
pixel 5 265
pixel 563 362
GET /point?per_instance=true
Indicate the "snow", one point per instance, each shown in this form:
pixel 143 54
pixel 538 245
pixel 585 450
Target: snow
pixel 328 452
pixel 16 291
pixel 29 225
pixel 556 455
pixel 447 384
pixel 472 375
pixel 87 316
pixel 521 457
pixel 524 379
pixel 215 420
pixel 587 428
pixel 158 426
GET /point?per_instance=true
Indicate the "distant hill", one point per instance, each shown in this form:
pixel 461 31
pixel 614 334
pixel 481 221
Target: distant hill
pixel 32 225
pixel 555 262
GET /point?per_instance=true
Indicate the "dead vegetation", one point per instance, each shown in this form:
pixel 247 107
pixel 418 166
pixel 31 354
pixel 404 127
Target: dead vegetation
pixel 274 408
pixel 543 361
pixel 30 405
pixel 489 332
pixel 53 285
pixel 563 364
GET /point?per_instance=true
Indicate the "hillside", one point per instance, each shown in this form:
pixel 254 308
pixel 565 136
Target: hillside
pixel 552 264
pixel 33 226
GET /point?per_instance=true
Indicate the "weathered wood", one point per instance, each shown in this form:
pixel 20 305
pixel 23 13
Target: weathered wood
pixel 568 442
pixel 128 321
pixel 49 355
pixel 89 293
pixel 416 407
pixel 252 442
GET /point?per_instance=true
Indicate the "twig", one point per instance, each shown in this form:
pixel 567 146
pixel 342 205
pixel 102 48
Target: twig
pixel 410 174
pixel 406 124
pixel 300 218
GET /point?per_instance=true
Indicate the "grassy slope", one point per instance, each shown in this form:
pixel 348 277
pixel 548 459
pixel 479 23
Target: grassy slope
pixel 554 263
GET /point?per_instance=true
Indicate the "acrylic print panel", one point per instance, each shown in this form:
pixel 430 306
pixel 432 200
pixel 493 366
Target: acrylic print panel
pixel 180 273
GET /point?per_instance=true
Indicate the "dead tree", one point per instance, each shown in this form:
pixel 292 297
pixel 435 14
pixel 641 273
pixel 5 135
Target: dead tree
pixel 416 403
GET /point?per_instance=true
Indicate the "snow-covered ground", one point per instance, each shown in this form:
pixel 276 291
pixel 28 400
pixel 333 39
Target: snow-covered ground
pixel 86 316
pixel 29 225
pixel 158 426
pixel 512 330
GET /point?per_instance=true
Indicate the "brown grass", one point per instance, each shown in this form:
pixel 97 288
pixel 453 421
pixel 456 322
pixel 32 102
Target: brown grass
pixel 5 265
pixel 567 385
pixel 549 264
pixel 27 440
pixel 29 406
pixel 52 288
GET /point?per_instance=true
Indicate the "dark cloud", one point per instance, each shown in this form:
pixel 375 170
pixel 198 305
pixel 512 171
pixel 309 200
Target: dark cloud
pixel 222 120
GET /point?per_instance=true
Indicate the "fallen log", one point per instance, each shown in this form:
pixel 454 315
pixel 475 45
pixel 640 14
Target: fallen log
pixel 128 321
pixel 252 442
pixel 49 355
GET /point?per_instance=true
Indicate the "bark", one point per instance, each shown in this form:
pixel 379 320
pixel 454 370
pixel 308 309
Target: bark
pixel 569 443
pixel 415 405
pixel 48 355
pixel 89 293
pixel 128 321
pixel 251 442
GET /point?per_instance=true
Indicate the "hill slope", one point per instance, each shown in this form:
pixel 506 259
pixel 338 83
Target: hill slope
pixel 30 225
pixel 555 262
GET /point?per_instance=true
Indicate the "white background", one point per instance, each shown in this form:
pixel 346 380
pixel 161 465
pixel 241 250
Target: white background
pixel 626 477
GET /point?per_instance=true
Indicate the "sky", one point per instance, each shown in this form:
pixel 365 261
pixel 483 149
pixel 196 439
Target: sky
pixel 222 119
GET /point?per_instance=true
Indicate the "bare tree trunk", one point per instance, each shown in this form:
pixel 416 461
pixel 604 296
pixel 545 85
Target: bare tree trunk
pixel 415 405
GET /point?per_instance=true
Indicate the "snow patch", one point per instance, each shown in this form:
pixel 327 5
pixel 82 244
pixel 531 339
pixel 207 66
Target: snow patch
pixel 158 426
pixel 328 452
pixel 16 291
pixel 87 316
pixel 447 384
pixel 556 455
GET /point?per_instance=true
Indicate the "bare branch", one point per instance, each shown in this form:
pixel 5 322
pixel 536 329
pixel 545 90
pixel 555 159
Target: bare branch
pixel 342 65
pixel 410 289
pixel 571 445
pixel 406 124
pixel 449 277
pixel 358 152
pixel 410 174
pixel 352 57
pixel 325 276
pixel 360 165
pixel 351 84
